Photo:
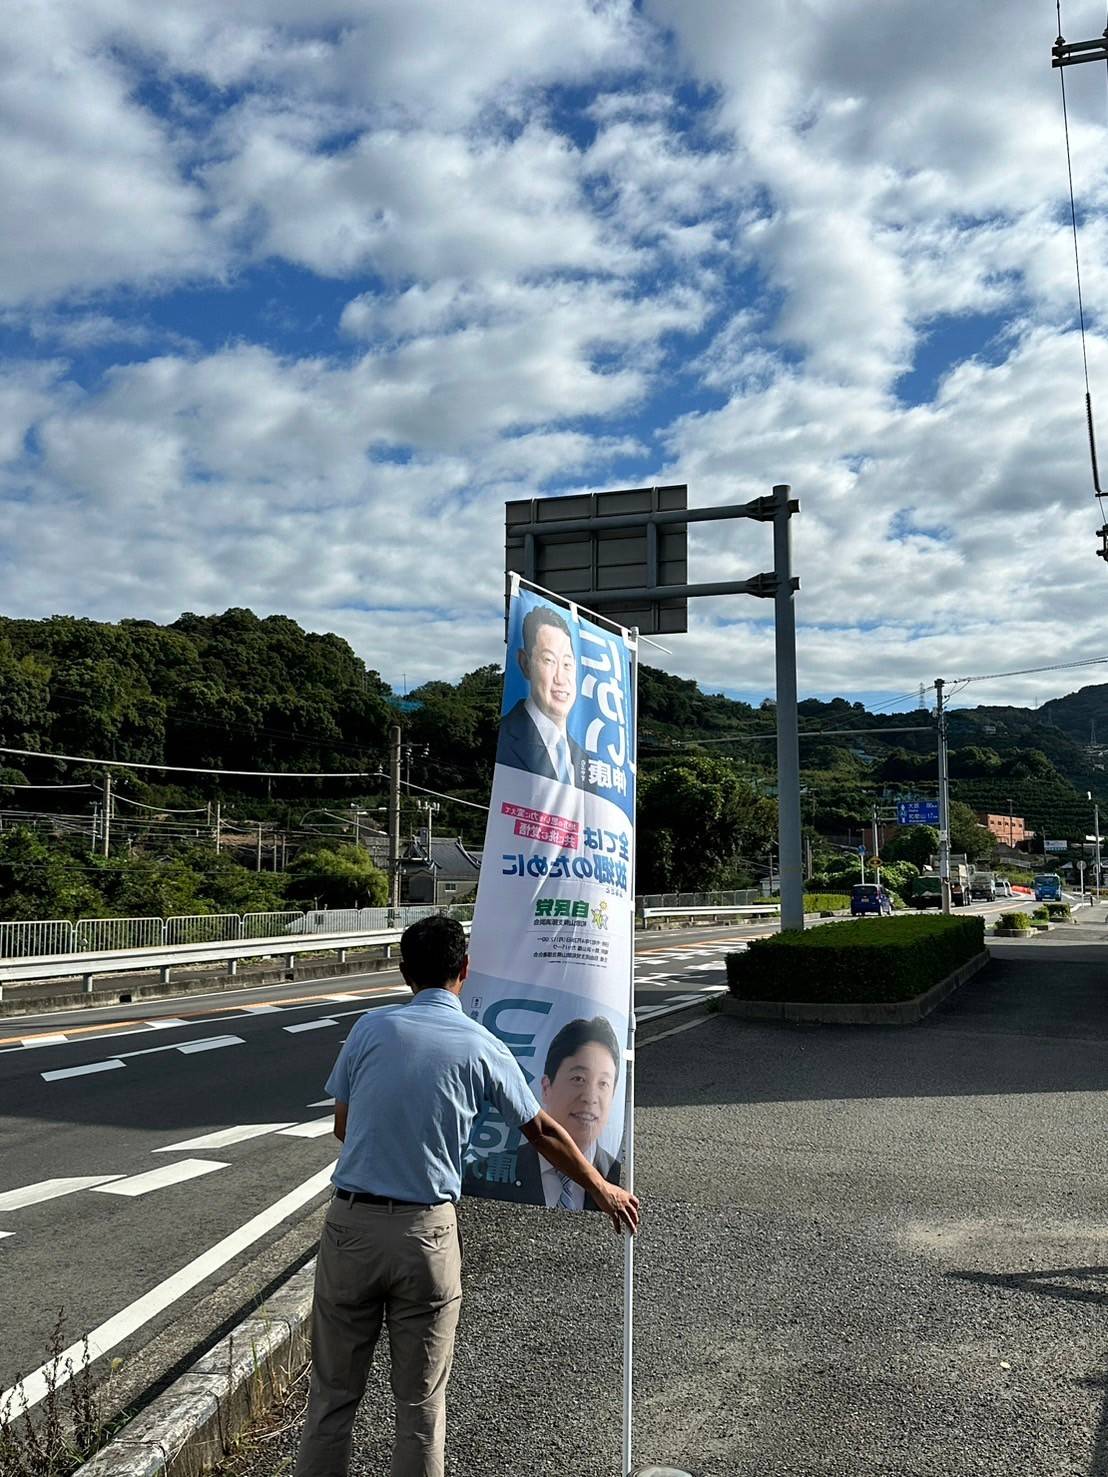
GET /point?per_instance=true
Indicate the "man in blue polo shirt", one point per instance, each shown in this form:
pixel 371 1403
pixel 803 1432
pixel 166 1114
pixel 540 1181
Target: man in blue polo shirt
pixel 408 1085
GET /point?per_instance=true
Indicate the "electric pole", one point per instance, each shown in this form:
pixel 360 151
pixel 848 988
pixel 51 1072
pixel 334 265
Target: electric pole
pixel 944 798
pixel 258 853
pixel 394 816
pixel 106 835
pixel 789 865
pixel 218 824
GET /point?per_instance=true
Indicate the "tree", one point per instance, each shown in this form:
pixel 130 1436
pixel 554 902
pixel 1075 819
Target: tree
pixel 967 836
pixel 915 844
pixel 700 826
pixel 41 879
pixel 339 877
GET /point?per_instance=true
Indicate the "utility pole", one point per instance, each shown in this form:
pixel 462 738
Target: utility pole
pixel 788 741
pixel 1096 842
pixel 106 836
pixel 394 816
pixel 95 825
pixel 876 849
pixel 1011 827
pixel 258 853
pixel 218 825
pixel 944 798
pixel 275 851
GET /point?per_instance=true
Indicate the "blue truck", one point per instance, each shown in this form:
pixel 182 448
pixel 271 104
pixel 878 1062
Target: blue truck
pixel 1048 888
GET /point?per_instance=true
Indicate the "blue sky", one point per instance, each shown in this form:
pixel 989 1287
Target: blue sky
pixel 293 297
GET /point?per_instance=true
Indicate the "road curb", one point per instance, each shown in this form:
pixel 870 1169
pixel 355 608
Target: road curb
pixel 860 1013
pixel 188 1428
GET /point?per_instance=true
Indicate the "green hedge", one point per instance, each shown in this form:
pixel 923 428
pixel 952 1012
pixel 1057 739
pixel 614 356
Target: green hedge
pixel 826 902
pixel 865 959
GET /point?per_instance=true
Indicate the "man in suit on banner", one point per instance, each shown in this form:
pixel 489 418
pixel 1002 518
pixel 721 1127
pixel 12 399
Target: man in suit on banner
pixel 533 734
pixel 579 1081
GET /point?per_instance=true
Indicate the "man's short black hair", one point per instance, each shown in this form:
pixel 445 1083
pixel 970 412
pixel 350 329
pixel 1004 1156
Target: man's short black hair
pixel 433 951
pixel 534 620
pixel 576 1034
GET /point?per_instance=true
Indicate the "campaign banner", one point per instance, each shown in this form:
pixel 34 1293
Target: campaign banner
pixel 552 943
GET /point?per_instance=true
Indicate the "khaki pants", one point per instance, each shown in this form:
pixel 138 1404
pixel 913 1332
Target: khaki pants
pixel 399 1266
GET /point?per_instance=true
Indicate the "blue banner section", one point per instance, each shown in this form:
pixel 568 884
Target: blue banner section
pixel 551 951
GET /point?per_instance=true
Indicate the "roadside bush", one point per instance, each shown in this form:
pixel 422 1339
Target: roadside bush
pixel 826 902
pixel 1058 912
pixel 869 959
pixel 1014 920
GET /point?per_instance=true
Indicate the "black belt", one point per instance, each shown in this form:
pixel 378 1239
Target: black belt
pixel 363 1197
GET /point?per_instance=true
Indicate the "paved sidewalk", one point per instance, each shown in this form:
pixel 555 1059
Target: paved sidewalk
pixel 864 1251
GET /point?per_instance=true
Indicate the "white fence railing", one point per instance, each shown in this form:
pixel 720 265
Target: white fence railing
pixel 42 937
pixel 734 899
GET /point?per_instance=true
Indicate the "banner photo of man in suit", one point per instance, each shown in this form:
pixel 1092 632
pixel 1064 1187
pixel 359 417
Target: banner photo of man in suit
pixel 553 928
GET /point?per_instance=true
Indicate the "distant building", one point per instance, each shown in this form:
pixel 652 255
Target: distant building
pixel 1009 829
pixel 447 875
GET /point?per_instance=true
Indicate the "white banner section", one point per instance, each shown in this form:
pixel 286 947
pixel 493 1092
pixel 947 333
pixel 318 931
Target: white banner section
pixel 551 949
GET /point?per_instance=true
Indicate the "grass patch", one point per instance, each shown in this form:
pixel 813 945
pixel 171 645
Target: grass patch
pixel 868 959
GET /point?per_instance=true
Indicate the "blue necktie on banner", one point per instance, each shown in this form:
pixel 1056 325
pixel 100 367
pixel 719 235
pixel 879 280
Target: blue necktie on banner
pixel 565 1199
pixel 565 774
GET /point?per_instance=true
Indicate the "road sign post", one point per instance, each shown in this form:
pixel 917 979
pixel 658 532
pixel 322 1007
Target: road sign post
pixel 624 554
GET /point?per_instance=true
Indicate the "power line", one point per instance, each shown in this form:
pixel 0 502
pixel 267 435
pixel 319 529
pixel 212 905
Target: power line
pixel 258 774
pixel 1092 661
pixel 84 786
pixel 161 809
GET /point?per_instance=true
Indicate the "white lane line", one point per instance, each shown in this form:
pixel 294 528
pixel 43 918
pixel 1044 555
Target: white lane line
pixel 30 1041
pixel 165 1023
pixel 324 1102
pixel 716 964
pixel 121 1325
pixel 158 1179
pixel 80 1071
pixel 338 999
pixel 676 1030
pixel 222 1137
pixel 6 1233
pixel 213 1043
pixel 51 1190
pixel 309 1026
pixel 315 1128
pixel 262 1009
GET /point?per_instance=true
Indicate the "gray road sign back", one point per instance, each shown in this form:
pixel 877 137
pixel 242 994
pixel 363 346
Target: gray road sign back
pixel 585 560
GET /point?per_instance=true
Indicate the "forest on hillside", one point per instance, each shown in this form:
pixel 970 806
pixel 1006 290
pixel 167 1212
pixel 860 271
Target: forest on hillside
pixel 239 692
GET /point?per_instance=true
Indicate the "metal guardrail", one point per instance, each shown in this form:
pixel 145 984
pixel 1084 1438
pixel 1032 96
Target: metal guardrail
pixel 87 966
pixel 46 937
pixel 712 910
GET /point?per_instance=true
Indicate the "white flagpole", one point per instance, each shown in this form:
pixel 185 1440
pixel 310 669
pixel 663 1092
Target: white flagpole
pixel 629 1158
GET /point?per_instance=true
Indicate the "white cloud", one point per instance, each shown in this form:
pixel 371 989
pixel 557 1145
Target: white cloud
pixel 575 243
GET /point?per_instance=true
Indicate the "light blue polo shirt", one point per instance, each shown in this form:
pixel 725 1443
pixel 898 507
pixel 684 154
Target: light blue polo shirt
pixel 415 1077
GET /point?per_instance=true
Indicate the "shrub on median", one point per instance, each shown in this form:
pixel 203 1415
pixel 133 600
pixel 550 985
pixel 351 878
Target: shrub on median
pixel 1014 920
pixel 864 960
pixel 826 902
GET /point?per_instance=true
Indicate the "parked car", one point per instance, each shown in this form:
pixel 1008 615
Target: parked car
pixel 1003 887
pixel 868 897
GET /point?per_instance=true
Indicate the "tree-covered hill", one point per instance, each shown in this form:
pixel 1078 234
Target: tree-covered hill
pixel 227 691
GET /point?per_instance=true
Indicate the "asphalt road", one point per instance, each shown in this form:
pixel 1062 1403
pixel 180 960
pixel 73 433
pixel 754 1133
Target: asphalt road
pixel 865 1252
pixel 137 1139
pixel 149 1151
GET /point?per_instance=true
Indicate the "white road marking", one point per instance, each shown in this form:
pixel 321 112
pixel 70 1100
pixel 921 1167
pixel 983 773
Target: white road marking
pixel 213 1043
pixel 315 1128
pixel 714 964
pixel 339 998
pixel 45 1041
pixel 262 1009
pixel 6 1233
pixel 165 1023
pixel 309 1026
pixel 158 1179
pixel 121 1325
pixel 324 1102
pixel 51 1190
pixel 88 1067
pixel 222 1137
pixel 676 1030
